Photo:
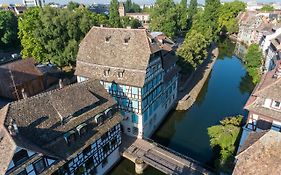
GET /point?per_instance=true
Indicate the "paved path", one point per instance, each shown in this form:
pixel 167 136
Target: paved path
pixel 190 90
pixel 160 157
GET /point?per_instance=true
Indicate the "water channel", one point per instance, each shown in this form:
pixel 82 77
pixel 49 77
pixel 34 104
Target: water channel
pixel 224 94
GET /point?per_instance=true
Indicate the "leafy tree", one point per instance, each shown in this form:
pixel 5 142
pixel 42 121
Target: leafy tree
pixel 267 8
pixel 224 137
pixel 210 17
pixel 192 10
pixel 128 22
pixel 8 29
pixel 253 62
pixel 131 7
pixel 114 18
pixel 227 16
pixel 183 15
pixel 164 17
pixel 72 5
pixel 194 49
pixel 53 35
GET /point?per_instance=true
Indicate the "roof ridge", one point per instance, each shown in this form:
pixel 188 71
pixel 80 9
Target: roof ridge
pixel 42 94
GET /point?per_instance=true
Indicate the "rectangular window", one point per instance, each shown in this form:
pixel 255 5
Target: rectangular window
pixel 23 172
pixel 20 157
pixel 145 116
pixel 39 166
pixel 135 91
pixel 135 118
pixel 105 148
pixel 135 104
pixel 276 104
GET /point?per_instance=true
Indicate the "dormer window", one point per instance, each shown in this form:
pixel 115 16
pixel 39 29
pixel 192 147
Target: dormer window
pixel 276 104
pixel 126 40
pixel 70 137
pixel 82 129
pixel 106 72
pixel 107 39
pixel 109 112
pixel 99 118
pixel 120 73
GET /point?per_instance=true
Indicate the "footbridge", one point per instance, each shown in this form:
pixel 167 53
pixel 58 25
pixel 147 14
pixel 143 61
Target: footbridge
pixel 145 152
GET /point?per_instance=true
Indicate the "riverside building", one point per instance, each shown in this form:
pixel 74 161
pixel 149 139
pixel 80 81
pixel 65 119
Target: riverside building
pixel 135 69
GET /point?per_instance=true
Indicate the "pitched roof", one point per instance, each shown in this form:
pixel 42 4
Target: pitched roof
pixel 261 157
pixel 41 128
pixel 22 70
pixel 106 48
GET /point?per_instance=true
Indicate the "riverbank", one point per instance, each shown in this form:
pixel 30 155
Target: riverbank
pixel 192 87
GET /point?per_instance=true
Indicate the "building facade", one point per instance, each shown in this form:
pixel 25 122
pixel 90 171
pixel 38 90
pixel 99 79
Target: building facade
pixel 33 3
pixel 135 71
pixel 264 105
pixel 68 131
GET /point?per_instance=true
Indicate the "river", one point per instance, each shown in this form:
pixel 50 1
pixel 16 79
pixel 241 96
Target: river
pixel 224 94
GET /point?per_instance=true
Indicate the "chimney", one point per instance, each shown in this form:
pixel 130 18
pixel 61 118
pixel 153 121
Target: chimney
pixel 23 93
pixel 101 25
pixel 60 83
pixel 13 128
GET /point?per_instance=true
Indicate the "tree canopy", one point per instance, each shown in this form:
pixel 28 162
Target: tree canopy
pixel 192 10
pixel 253 62
pixel 72 5
pixel 8 29
pixel 131 7
pixel 224 137
pixel 164 17
pixel 227 16
pixel 53 35
pixel 267 8
pixel 114 18
pixel 194 49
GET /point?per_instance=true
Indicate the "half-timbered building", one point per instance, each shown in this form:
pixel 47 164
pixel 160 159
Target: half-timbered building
pixel 135 70
pixel 72 130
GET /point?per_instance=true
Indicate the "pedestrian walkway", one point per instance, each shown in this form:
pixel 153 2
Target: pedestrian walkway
pixel 148 152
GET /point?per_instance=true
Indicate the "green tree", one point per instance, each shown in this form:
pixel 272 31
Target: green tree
pixel 183 15
pixel 210 17
pixel 53 35
pixel 224 137
pixel 267 8
pixel 227 16
pixel 192 10
pixel 194 49
pixel 164 17
pixel 72 5
pixel 126 21
pixel 131 7
pixel 253 62
pixel 114 18
pixel 8 29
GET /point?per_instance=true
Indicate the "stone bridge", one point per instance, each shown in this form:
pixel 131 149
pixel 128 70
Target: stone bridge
pixel 145 152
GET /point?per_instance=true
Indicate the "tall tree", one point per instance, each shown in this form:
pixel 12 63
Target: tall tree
pixel 72 5
pixel 183 15
pixel 210 17
pixel 192 10
pixel 164 17
pixel 253 62
pixel 114 18
pixel 267 8
pixel 131 7
pixel 53 35
pixel 227 17
pixel 8 29
pixel 194 49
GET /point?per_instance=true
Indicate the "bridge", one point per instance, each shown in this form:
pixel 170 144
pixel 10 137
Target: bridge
pixel 145 152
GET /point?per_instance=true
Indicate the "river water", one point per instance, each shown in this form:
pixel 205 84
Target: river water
pixel 224 94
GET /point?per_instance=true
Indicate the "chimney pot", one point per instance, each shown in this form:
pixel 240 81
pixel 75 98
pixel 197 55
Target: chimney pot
pixel 24 94
pixel 60 83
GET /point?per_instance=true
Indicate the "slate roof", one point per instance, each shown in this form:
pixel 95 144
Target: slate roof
pixel 41 127
pixel 105 48
pixel 262 156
